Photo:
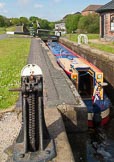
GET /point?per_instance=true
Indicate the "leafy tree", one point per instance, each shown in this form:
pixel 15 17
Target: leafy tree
pixel 89 23
pixel 7 22
pixel 51 25
pixel 24 20
pixel 72 22
pixel 33 19
pixel 2 21
pixel 69 23
pixel 44 24
pixel 83 23
pixel 15 21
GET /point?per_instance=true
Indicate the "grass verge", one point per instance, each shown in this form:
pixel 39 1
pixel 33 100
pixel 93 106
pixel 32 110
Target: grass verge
pixel 74 37
pixel 2 30
pixel 103 47
pixel 107 47
pixel 13 56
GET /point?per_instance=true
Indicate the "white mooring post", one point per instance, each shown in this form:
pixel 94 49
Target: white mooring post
pixel 82 38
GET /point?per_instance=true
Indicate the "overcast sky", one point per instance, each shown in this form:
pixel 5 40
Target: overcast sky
pixel 52 10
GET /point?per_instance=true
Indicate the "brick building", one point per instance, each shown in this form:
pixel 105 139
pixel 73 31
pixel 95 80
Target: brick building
pixel 107 21
pixel 90 10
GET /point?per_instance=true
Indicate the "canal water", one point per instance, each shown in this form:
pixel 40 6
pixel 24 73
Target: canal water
pixel 100 144
pixel 96 145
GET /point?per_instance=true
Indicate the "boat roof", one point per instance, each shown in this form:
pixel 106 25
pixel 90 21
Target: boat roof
pixel 75 63
pixel 78 63
pixel 83 60
pixel 65 54
pixel 93 67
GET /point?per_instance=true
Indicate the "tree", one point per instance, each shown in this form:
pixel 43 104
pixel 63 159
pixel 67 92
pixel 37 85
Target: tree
pixel 24 20
pixel 33 19
pixel 72 22
pixel 15 21
pixel 51 25
pixel 7 22
pixel 2 21
pixel 44 24
pixel 89 23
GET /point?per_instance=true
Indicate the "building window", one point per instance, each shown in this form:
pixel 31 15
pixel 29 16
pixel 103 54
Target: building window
pixel 112 22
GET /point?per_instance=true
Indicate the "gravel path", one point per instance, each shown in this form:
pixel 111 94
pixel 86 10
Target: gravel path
pixel 9 129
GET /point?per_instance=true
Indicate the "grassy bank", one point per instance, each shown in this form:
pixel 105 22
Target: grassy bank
pixel 74 37
pixel 13 56
pixel 2 30
pixel 103 47
pixel 107 47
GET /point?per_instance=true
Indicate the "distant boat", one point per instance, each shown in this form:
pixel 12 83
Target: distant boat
pixel 88 80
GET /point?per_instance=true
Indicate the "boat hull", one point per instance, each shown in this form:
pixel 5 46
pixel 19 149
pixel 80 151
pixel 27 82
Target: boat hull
pixel 105 117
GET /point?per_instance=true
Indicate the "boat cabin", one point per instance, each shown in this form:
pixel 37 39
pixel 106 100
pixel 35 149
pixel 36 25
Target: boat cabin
pixel 84 75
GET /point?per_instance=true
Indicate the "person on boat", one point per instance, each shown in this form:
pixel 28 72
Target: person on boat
pixel 96 94
pixel 96 99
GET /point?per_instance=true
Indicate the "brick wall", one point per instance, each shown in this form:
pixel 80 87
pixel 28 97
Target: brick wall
pixel 85 13
pixel 108 34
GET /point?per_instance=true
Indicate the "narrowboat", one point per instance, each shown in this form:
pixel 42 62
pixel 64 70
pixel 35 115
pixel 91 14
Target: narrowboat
pixel 88 80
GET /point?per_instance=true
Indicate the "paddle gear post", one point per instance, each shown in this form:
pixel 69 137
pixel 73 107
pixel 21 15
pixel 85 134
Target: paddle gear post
pixel 34 143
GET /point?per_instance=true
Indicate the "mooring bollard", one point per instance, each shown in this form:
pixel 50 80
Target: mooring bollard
pixel 34 143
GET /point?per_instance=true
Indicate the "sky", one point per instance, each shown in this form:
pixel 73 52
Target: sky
pixel 51 10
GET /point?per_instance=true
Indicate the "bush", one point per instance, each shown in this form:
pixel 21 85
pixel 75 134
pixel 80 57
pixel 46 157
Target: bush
pixel 89 23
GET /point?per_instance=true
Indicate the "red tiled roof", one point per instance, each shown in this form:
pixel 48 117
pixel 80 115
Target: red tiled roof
pixel 92 8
